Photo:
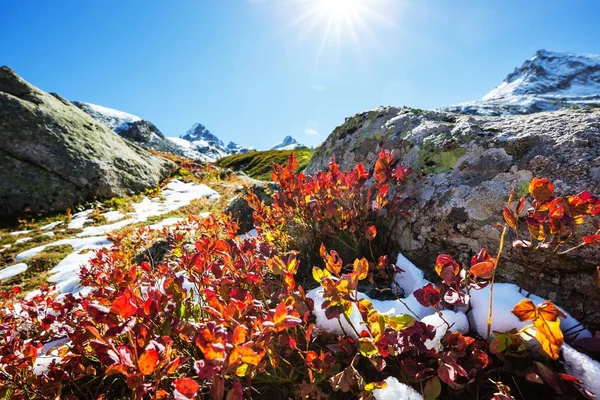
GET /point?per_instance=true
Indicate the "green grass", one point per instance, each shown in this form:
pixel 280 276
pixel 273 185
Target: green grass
pixel 258 164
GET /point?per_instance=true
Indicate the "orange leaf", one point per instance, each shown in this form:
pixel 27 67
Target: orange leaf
pixel 187 387
pixel 549 335
pixel 525 310
pixel 361 267
pixel 541 189
pixel 371 232
pixel 245 355
pixel 280 313
pixel 549 311
pixel 239 335
pixel 510 217
pixel 484 269
pixel 148 362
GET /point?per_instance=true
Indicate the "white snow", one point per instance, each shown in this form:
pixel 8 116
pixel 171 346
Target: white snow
pixel 166 222
pixel 23 240
pixel 12 271
pixel 109 116
pixel 175 194
pixel 506 296
pixel 51 225
pixel 18 233
pixel 457 321
pixel 396 390
pixel 583 367
pixel 49 234
pixel 412 277
pixel 78 244
pixel 79 219
pixel 548 81
pixel 111 216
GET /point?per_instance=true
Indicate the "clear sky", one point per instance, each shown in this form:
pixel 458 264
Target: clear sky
pixel 254 71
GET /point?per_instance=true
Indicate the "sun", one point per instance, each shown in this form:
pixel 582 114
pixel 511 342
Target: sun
pixel 340 9
pixel 341 22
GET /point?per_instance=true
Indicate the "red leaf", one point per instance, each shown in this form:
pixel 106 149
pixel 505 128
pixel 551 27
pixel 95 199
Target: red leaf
pixel 123 306
pixel 186 387
pixel 236 392
pixel 592 240
pixel 445 265
pixel 428 296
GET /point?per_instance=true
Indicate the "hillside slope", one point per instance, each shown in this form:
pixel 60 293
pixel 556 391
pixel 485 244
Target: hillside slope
pixel 258 164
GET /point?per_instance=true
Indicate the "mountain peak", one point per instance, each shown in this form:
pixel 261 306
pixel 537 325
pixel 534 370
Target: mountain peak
pixel 199 132
pixel 288 143
pixel 547 81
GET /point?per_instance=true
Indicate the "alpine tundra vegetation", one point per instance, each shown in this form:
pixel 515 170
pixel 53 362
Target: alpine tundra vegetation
pixel 427 252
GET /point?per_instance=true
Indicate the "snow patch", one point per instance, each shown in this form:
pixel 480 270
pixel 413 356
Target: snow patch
pixel 12 271
pixel 396 390
pixel 583 367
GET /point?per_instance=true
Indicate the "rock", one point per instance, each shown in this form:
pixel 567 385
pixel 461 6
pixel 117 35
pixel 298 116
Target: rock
pixel 154 254
pixel 147 135
pixel 53 156
pixel 240 209
pixel 465 168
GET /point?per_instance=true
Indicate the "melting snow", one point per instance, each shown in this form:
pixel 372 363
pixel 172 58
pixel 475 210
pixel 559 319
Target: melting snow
pixel 396 390
pixel 12 271
pixel 51 225
pixel 582 367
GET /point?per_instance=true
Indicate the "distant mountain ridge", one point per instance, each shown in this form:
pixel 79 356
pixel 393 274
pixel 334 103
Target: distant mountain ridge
pixel 288 143
pixel 198 142
pixel 548 81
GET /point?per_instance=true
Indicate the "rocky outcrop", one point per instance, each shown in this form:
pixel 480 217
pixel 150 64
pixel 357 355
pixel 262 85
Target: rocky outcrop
pixel 241 211
pixel 54 156
pixel 465 168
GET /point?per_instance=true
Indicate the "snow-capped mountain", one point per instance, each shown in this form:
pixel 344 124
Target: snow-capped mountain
pixel 108 116
pixel 235 148
pixel 546 82
pixel 135 129
pixel 200 139
pixel 288 143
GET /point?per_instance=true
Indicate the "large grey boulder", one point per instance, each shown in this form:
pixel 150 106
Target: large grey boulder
pixel 465 168
pixel 54 156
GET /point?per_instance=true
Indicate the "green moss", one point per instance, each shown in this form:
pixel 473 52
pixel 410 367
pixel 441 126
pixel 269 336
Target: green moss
pixel 523 189
pixel 258 164
pixel 432 160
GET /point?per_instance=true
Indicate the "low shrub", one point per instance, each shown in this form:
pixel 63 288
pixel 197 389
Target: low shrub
pixel 224 317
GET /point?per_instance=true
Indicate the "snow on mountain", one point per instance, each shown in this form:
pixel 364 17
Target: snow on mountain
pixel 546 82
pixel 108 116
pixel 201 140
pixel 235 148
pixel 135 129
pixel 288 143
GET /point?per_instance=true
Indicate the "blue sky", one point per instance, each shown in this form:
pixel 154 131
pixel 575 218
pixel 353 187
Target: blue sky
pixel 251 74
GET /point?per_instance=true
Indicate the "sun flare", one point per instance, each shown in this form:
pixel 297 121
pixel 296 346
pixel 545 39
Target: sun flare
pixel 341 22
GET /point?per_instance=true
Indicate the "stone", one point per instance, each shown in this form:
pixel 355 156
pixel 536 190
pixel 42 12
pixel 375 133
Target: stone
pixel 241 211
pixel 53 156
pixel 464 170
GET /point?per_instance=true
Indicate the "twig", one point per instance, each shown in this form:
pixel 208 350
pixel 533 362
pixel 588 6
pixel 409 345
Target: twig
pixel 489 321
